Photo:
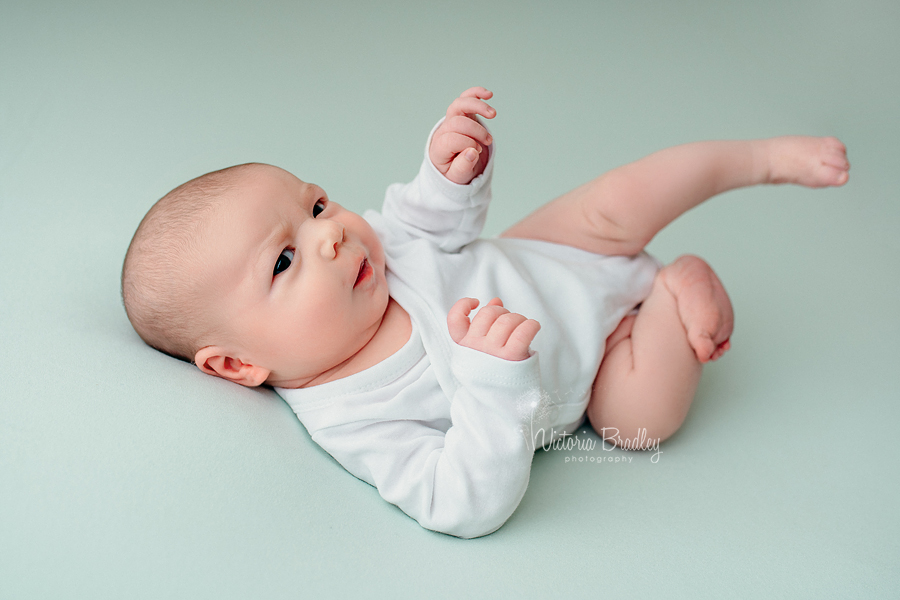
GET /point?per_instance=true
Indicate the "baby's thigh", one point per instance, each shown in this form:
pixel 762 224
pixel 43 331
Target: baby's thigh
pixel 614 366
pixel 648 375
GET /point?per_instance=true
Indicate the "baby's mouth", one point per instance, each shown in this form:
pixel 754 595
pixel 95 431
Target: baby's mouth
pixel 363 270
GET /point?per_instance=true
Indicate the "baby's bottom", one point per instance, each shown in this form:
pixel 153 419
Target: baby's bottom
pixel 653 360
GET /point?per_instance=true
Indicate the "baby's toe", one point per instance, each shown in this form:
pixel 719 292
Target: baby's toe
pixel 834 175
pixel 836 157
pixel 836 144
pixel 720 350
pixel 703 346
pixel 834 162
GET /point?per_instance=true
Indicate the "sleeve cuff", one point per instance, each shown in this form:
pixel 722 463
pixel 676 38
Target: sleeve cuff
pixel 473 366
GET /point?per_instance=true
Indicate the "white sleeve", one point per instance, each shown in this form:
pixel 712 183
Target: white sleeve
pixel 465 482
pixel 433 207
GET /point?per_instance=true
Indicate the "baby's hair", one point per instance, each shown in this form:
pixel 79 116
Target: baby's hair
pixel 159 289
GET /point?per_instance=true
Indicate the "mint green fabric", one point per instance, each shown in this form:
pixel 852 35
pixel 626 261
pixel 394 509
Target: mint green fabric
pixel 126 474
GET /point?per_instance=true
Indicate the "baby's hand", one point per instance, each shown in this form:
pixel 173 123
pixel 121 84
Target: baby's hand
pixel 494 330
pixel 457 147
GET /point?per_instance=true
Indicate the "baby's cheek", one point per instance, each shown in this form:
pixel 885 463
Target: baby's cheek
pixel 366 234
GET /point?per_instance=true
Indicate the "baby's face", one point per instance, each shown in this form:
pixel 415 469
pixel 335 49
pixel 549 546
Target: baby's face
pixel 297 282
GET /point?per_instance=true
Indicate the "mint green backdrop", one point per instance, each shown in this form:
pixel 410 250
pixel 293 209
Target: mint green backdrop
pixel 126 474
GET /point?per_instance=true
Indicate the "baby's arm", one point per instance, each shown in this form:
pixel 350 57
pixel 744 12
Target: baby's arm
pixel 622 210
pixel 465 479
pixel 447 202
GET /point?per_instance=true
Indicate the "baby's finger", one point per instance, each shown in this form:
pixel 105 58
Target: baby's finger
pixel 450 144
pixel 462 169
pixel 458 318
pixel 477 92
pixel 471 106
pixel 521 338
pixel 484 319
pixel 502 328
pixel 495 302
pixel 468 127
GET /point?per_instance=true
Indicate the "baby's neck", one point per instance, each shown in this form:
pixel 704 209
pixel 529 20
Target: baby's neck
pixel 392 334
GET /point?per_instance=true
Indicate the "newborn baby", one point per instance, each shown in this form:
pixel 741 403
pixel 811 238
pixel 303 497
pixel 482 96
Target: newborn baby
pixel 365 325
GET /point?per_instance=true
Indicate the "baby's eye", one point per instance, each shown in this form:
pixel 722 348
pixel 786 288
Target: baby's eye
pixel 284 261
pixel 318 207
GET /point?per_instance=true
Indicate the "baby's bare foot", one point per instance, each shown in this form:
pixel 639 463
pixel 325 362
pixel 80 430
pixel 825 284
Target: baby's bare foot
pixel 811 161
pixel 703 306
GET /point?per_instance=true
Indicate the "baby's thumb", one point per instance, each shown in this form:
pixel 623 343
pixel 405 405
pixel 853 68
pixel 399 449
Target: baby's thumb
pixel 458 318
pixel 462 169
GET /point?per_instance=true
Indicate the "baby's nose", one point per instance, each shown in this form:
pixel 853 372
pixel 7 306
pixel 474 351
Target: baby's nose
pixel 331 236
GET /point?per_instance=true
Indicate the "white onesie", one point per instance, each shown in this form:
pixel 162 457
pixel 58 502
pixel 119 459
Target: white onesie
pixel 445 432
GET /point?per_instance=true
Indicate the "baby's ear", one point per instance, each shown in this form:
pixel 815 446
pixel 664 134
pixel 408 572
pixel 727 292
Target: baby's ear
pixel 213 360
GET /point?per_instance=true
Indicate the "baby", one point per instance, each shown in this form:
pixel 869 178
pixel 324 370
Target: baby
pixel 363 324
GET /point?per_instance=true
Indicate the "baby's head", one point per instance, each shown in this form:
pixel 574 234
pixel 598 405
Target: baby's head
pixel 256 277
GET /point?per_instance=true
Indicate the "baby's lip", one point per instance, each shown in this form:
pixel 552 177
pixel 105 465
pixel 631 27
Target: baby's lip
pixel 362 272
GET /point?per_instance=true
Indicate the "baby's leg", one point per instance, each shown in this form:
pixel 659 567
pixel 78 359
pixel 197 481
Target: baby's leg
pixel 621 211
pixel 653 360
